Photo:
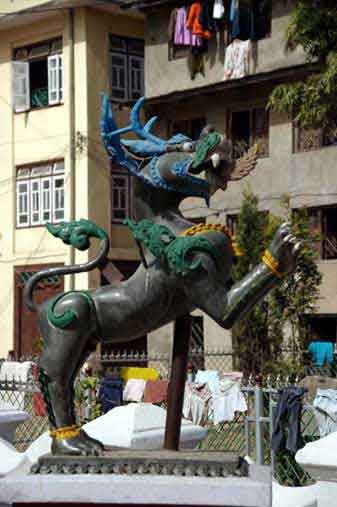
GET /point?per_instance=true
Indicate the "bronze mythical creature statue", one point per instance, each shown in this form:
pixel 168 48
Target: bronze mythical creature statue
pixel 184 266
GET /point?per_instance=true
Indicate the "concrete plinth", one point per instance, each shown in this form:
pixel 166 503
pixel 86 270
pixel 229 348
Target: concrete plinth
pixel 133 490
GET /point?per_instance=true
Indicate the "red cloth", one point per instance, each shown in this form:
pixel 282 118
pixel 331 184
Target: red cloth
pixel 193 21
pixel 156 391
pixel 39 406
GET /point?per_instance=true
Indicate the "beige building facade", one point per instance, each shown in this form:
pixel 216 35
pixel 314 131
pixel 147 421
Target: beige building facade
pixel 294 162
pixel 55 60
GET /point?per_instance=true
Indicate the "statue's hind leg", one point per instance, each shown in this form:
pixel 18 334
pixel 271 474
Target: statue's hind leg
pixel 65 350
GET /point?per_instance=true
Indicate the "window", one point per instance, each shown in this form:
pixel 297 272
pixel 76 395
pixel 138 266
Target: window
pixel 40 194
pixel 247 127
pixel 313 139
pixel 120 196
pixel 322 327
pixel 37 76
pixel 232 223
pixel 323 224
pixel 191 128
pixel 126 58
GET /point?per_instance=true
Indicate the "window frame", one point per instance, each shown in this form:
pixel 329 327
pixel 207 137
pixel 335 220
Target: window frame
pixel 253 138
pixel 321 136
pixel 318 212
pixel 125 50
pixel 30 180
pixel 118 172
pixel 23 54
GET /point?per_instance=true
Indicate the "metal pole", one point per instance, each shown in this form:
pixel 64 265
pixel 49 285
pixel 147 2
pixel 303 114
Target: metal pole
pixel 258 422
pixel 182 333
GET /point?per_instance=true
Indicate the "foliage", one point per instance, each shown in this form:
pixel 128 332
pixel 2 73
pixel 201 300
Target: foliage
pixel 280 318
pixel 85 396
pixel 313 102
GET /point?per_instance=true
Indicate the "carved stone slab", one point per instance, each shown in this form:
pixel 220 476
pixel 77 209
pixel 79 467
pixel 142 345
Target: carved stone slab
pixel 133 462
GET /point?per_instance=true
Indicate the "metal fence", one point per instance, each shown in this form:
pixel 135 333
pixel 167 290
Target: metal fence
pixel 25 396
pixel 248 434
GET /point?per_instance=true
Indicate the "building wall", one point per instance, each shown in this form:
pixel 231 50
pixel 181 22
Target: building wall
pixel 307 178
pixel 26 137
pixel 270 54
pixel 99 26
pixel 41 135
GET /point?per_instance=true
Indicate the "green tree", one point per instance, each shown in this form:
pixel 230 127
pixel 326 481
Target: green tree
pixel 312 103
pixel 259 337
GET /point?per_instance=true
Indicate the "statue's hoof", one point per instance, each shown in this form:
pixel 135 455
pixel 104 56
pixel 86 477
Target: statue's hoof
pixel 75 446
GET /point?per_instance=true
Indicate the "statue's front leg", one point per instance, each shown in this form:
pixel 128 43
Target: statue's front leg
pixel 278 261
pixel 208 292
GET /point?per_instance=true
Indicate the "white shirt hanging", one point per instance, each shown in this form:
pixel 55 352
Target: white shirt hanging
pixel 218 9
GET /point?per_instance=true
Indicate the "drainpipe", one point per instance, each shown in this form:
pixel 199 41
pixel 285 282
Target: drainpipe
pixel 72 133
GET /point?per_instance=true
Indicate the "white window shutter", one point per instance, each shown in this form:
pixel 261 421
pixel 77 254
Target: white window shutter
pixel 55 79
pixel 20 86
pixel 22 203
pixel 35 201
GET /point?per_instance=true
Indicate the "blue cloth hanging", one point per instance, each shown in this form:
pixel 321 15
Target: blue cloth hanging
pixel 110 394
pixel 322 352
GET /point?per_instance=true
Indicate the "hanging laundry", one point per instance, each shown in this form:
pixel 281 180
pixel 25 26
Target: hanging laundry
pixel 196 400
pixel 183 36
pixel 218 9
pixel 322 352
pixel 228 401
pixel 156 391
pixel 209 377
pixel 134 390
pixel 172 24
pixel 325 405
pixel 287 421
pixel 234 18
pixel 206 19
pixel 237 59
pixel 193 22
pixel 110 393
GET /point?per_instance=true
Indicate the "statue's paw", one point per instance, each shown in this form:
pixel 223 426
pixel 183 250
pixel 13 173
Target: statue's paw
pixel 96 445
pixel 74 446
pixel 285 248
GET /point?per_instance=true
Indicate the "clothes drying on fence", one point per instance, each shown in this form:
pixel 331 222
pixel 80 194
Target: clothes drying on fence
pixel 227 401
pixel 322 352
pixel 209 377
pixel 196 400
pixel 110 393
pixel 132 372
pixel 134 389
pixel 287 420
pixel 15 371
pixel 237 59
pixel 325 405
pixel 156 391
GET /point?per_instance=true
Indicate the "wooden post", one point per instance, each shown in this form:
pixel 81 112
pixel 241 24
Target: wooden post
pixel 181 339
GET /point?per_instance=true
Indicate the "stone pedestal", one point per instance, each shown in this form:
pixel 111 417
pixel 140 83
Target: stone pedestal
pixel 137 490
pixel 319 459
pixel 9 420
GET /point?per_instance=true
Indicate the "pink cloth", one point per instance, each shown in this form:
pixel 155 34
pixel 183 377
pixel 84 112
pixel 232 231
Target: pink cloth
pixel 183 36
pixel 156 391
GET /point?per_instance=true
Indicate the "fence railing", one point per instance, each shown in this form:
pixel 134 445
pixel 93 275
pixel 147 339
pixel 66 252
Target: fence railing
pixel 248 434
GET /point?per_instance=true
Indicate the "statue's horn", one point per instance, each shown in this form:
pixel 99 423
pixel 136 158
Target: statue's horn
pixel 245 164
